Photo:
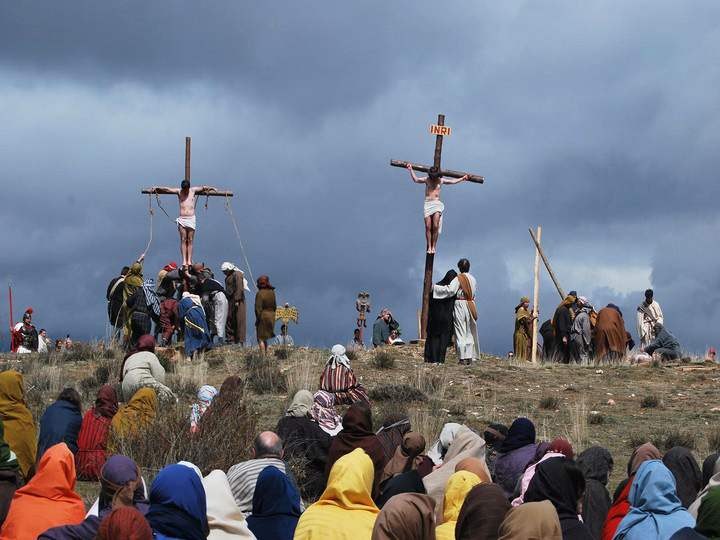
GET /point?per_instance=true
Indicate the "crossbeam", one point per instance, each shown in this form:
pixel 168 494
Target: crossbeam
pixel 444 172
pixel 203 193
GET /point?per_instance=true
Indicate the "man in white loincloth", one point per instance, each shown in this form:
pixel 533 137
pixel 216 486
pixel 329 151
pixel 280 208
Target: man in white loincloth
pixel 433 207
pixel 186 221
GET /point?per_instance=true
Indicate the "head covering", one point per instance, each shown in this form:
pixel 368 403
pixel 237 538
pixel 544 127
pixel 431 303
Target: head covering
pixel 596 463
pixel 615 308
pixel 323 411
pixel 475 466
pixel 301 404
pixel 494 435
pixel 438 449
pixel 447 279
pixel 18 421
pixel 641 454
pixel 134 276
pixel 345 510
pixel 48 499
pixel 144 343
pixel 338 357
pixel 558 481
pixel 408 482
pixel 137 414
pixel 206 394
pixel 708 520
pixel 225 519
pixel 406 456
pixel 106 403
pixel 540 450
pixel 178 504
pixel 8 459
pixel 685 469
pixel 531 521
pixel 521 433
pixel 231 384
pixel 522 301
pixel 409 516
pixel 263 282
pixel 228 266
pixel 458 486
pixel 276 506
pixel 192 466
pixel 151 298
pixel 655 509
pixel 710 467
pixel 394 427
pixel 121 484
pixel 483 511
pixel 125 523
pixel 561 446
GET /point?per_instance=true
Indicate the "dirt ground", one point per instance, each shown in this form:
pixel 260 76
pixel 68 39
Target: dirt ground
pixel 614 406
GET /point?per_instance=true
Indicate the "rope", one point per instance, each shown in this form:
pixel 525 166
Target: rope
pixel 157 198
pixel 229 211
pixel 152 216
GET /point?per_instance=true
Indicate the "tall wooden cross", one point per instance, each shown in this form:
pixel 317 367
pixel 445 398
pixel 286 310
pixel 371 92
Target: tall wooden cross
pixel 440 129
pixel 187 177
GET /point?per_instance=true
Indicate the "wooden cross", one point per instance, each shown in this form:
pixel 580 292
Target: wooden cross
pixel 187 177
pixel 440 130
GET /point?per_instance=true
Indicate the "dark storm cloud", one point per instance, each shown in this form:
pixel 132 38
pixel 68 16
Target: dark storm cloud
pixel 598 121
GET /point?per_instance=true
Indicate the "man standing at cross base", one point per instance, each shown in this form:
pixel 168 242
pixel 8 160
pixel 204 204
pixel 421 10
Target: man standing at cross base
pixel 463 288
pixel 186 221
pixel 433 208
pixel 648 315
pixel 235 287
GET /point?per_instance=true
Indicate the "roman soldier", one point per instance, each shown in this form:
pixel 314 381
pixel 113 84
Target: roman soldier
pixel 24 335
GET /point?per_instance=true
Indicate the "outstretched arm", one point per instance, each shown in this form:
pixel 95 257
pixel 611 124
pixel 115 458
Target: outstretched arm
pixel 204 188
pixel 164 190
pixel 415 178
pixel 455 180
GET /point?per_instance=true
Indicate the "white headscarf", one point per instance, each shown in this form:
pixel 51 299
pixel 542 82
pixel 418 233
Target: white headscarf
pixel 224 517
pixel 338 357
pixel 227 266
pixel 447 435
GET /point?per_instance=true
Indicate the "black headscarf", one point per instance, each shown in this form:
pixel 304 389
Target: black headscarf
pixel 409 482
pixel 521 433
pixel 708 468
pixel 492 440
pixel 595 464
pixel 440 314
pixel 482 513
pixel 686 471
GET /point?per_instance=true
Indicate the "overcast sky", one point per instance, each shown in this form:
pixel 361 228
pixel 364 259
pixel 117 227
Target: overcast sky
pixel 598 121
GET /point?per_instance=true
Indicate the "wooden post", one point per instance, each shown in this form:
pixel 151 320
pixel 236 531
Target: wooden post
pixel 419 325
pixel 547 265
pixel 187 158
pixel 535 299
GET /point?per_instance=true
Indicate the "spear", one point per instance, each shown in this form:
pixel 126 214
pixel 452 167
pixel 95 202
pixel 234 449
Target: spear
pixel 11 306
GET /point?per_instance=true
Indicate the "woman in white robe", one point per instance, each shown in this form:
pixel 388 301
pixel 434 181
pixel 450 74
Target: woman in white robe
pixel 466 339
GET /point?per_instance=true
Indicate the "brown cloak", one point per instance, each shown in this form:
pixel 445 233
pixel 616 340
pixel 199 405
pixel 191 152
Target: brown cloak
pixel 610 333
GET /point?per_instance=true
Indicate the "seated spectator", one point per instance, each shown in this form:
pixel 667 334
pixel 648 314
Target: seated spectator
pixel 408 482
pixel 141 368
pixel 304 439
pixel 284 340
pixel 206 394
pixel 466 444
pixel 685 469
pixel 711 355
pixel 178 506
pixel 92 439
pixel 710 479
pixel 125 523
pixel 596 464
pixel 266 451
pixel 559 481
pixel 346 510
pixel 394 427
pixel 121 484
pixel 531 520
pixel 409 516
pixel 440 447
pixel 356 343
pixel 655 509
pixel 18 421
pixel 458 486
pixel 276 507
pixel 10 476
pixel 224 517
pixel 482 513
pixel 324 413
pixel 408 456
pixel 61 422
pixel 47 500
pixel 621 504
pixel 516 451
pixel 665 344
pixel 58 345
pixel 708 520
pixel 557 448
pixel 357 432
pixel 494 435
pixel 395 338
pixel 222 405
pixel 339 379
pixel 136 416
pixel 384 324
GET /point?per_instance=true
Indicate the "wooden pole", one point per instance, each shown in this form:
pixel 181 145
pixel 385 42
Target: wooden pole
pixel 187 158
pixel 203 193
pixel 535 299
pixel 438 142
pixel 547 264
pixel 445 172
pixel 419 325
pixel 12 323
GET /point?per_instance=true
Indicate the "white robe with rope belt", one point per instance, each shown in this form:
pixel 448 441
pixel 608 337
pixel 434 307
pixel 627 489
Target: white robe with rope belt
pixel 466 340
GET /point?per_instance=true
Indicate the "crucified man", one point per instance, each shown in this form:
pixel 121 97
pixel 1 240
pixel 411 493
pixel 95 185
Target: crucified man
pixel 186 221
pixel 434 208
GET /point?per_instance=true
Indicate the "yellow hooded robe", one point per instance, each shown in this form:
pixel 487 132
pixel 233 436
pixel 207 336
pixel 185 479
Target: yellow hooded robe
pixel 457 489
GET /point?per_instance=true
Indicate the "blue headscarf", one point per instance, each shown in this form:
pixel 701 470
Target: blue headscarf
pixel 177 504
pixel 521 433
pixel 655 509
pixel 276 506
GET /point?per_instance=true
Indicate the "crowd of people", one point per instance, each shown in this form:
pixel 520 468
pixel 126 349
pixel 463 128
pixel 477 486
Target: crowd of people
pixel 349 480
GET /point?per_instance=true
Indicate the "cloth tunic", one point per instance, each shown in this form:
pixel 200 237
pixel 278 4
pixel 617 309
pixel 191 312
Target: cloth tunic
pixel 522 340
pixel 665 344
pixel 143 369
pixel 610 333
pixel 466 339
pixel 581 335
pixel 92 445
pixel 265 305
pixel 197 334
pixel 647 316
pixel 18 421
pixel 60 422
pixel 235 327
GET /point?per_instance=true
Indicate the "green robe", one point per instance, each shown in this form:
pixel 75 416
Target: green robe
pixel 522 340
